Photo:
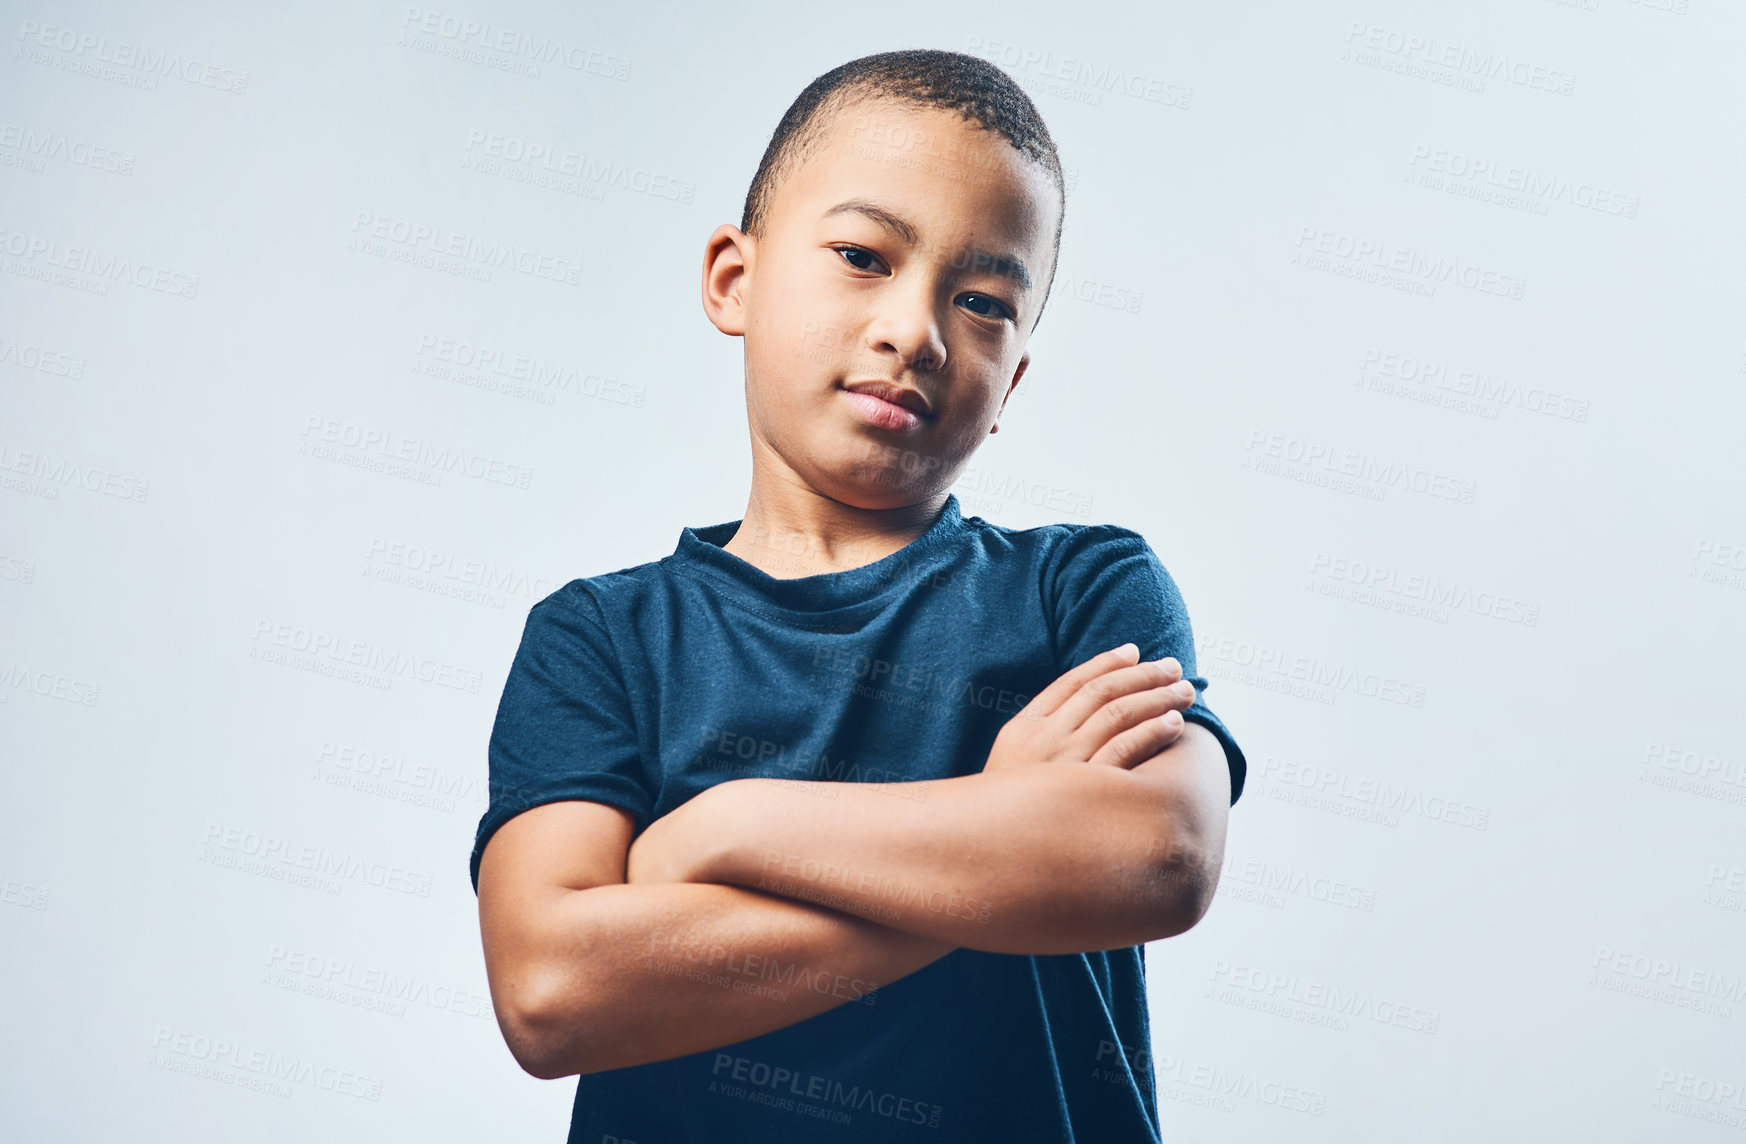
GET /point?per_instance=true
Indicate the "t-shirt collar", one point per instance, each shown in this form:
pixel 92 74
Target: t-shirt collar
pixel 700 550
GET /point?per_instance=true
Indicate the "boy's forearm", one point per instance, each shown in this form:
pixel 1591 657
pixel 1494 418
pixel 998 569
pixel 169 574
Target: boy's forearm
pixel 1047 859
pixel 651 972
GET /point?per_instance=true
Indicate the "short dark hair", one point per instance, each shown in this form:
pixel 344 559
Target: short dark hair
pixel 977 90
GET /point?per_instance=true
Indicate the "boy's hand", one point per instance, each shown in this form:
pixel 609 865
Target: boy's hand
pixel 1110 710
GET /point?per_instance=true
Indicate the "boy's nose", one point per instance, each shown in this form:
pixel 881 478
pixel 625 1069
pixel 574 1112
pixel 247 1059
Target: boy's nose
pixel 911 333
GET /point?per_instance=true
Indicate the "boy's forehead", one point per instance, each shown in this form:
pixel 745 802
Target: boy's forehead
pixel 887 151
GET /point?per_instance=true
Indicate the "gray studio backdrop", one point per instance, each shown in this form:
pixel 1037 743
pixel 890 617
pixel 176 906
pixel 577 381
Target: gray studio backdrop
pixel 333 338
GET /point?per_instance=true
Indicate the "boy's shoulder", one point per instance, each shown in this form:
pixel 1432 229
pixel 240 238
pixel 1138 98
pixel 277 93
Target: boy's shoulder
pixel 1063 540
pixel 1056 531
pixel 1082 560
pixel 582 595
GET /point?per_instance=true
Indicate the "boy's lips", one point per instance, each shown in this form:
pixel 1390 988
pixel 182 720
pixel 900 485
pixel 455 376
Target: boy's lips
pixel 883 414
pixel 910 399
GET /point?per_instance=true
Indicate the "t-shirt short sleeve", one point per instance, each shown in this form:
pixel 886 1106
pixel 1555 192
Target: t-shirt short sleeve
pixel 564 728
pixel 1110 588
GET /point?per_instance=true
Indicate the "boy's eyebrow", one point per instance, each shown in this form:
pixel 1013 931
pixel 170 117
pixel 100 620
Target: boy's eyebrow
pixel 1006 265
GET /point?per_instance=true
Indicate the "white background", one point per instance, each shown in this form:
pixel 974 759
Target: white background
pixel 1498 776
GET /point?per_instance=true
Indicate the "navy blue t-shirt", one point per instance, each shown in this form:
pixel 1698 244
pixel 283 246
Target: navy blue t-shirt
pixel 641 688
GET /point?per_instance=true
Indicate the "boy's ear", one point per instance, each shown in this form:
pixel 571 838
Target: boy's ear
pixel 725 271
pixel 1024 364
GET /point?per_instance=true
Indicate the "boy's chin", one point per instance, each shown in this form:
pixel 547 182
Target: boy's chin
pixel 873 492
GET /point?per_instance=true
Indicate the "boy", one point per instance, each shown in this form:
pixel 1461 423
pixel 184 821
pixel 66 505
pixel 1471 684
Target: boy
pixel 848 820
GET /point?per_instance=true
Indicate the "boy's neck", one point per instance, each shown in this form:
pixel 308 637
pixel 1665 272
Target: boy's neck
pixel 808 534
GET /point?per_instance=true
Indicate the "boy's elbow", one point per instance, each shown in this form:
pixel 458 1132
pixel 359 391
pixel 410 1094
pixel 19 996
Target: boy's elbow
pixel 525 1032
pixel 1180 884
pixel 546 1031
pixel 1183 860
pixel 1178 899
pixel 535 1060
pixel 1189 900
pixel 545 1054
pixel 548 1066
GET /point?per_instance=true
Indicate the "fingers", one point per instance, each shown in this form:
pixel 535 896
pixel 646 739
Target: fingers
pixel 1099 691
pixel 1137 744
pixel 1111 708
pixel 1049 699
pixel 1139 716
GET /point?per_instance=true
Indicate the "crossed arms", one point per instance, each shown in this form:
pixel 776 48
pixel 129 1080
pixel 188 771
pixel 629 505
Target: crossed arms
pixel 1098 822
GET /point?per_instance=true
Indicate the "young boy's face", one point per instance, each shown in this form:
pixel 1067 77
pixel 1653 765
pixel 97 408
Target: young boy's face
pixel 911 248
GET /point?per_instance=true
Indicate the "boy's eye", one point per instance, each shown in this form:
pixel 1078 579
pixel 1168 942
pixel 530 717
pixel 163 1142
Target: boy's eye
pixel 981 305
pixel 999 309
pixel 851 253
